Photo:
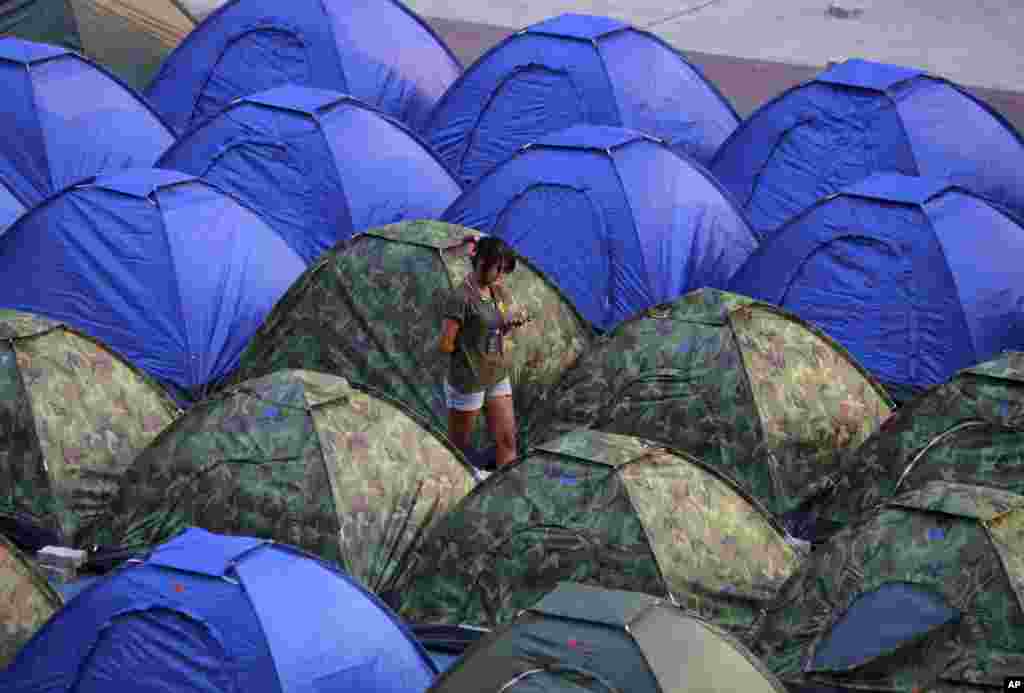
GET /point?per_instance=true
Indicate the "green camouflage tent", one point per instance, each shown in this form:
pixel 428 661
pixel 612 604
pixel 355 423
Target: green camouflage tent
pixel 606 510
pixel 73 415
pixel 969 430
pixel 299 457
pixel 370 311
pixel 27 601
pixel 586 638
pixel 744 386
pixel 129 37
pixel 924 595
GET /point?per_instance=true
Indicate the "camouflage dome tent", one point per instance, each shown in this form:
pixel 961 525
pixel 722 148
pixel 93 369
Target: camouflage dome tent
pixel 968 430
pixel 27 601
pixel 757 393
pixel 608 641
pixel 72 418
pixel 370 311
pixel 605 510
pixel 925 595
pixel 129 37
pixel 297 457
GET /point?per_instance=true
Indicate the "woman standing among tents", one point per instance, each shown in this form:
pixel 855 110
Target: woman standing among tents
pixel 473 334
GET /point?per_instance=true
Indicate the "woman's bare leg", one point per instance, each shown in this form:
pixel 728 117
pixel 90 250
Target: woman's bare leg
pixel 501 421
pixel 460 427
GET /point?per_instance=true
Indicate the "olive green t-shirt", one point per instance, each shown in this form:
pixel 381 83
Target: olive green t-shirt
pixel 479 360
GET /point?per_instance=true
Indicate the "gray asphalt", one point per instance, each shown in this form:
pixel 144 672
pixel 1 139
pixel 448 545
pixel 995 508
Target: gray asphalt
pixel 746 82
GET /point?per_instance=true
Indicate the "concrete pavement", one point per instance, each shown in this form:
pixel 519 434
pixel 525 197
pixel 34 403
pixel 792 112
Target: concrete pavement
pixel 971 42
pixel 747 83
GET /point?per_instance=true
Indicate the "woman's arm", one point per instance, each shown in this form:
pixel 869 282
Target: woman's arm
pixel 449 332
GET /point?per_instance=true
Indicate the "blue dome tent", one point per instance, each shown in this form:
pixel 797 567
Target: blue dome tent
pixel 207 613
pixel 66 119
pixel 858 118
pixel 574 69
pixel 317 165
pixel 614 218
pixel 169 272
pixel 917 278
pixel 379 52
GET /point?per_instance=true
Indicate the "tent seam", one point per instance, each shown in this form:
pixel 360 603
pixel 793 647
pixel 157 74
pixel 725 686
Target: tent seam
pixel 604 68
pixel 334 43
pixel 949 267
pixel 753 398
pixel 152 197
pixel 39 445
pixel 39 125
pixel 632 216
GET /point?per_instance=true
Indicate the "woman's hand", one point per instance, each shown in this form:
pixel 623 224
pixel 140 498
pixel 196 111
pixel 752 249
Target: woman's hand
pixel 518 318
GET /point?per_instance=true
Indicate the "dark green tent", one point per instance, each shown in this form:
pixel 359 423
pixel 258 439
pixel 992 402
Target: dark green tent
pixel 580 638
pixel 370 311
pixel 129 37
pixel 607 510
pixel 73 416
pixel 298 457
pixel 761 395
pixel 27 601
pixel 969 430
pixel 926 594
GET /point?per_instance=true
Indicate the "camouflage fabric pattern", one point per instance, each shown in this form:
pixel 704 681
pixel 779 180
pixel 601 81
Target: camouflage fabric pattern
pixel 969 429
pixel 759 394
pixel 605 510
pixel 301 458
pixel 963 543
pixel 73 415
pixel 26 601
pixel 370 311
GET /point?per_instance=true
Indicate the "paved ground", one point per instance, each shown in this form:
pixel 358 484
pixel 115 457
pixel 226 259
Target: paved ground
pixel 972 42
pixel 746 82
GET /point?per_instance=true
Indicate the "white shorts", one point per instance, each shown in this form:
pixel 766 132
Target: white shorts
pixel 475 400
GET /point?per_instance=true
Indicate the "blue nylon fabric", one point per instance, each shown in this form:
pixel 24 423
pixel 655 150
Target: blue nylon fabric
pixel 880 622
pixel 699 241
pixel 985 251
pixel 589 221
pixel 10 208
pixel 679 105
pixel 157 650
pixel 178 634
pixel 813 142
pixel 388 173
pixel 865 74
pixel 177 287
pixel 251 46
pixel 568 70
pixel 861 118
pixel 74 120
pixel 404 75
pixel 317 165
pixel 22 51
pixel 198 551
pixel 891 187
pixel 331 634
pixel 276 162
pixel 150 627
pixel 293 96
pixel 943 124
pixel 915 292
pixel 534 85
pixel 24 168
pixel 578 26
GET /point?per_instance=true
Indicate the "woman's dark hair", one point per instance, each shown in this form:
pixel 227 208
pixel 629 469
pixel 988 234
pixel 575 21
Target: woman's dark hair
pixel 491 251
